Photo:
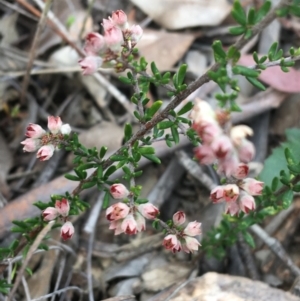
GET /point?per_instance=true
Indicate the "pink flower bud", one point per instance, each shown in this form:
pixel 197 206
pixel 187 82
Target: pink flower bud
pixel 54 124
pixel 119 18
pixel 118 191
pixel 140 222
pixel 129 225
pixel 114 38
pixel 116 225
pixel 148 210
pixel 108 24
pixel 31 145
pixel 45 152
pixel 192 229
pixel 217 194
pixel 191 244
pixel 62 207
pixel 65 129
pixel 231 192
pixel 90 64
pixel 50 214
pixel 239 133
pixel 94 42
pixel 117 211
pixel 208 131
pixel 205 154
pixel 222 147
pixel 232 208
pixel 172 243
pixel 228 165
pixel 246 202
pixel 136 33
pixel 179 218
pixel 67 231
pixel 241 172
pixel 246 151
pixel 34 131
pixel 252 186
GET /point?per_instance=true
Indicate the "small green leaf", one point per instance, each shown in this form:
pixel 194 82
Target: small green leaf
pixel 219 53
pixel 82 174
pixel 99 172
pixel 275 183
pixel 154 68
pixel 125 80
pixel 154 108
pixel 262 12
pixel 237 30
pixel 88 185
pixel 165 124
pixel 251 16
pixel 152 158
pixel 181 74
pixel 256 83
pixel 249 239
pixel 187 107
pixel 86 166
pixel 146 150
pixel 238 13
pixel 109 172
pixel 127 132
pixel 71 177
pixel 287 198
pixel 106 200
pixel 238 69
pixel 175 134
pixel 272 51
pixel 290 158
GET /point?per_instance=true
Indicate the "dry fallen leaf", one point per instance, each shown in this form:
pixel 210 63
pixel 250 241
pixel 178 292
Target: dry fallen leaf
pixel 275 77
pixel 164 48
pixel 175 14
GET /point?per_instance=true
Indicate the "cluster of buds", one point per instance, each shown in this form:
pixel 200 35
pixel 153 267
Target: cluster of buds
pixel 128 218
pixel 238 196
pixel 45 143
pixel 61 210
pixel 218 147
pixel 105 48
pixel 180 238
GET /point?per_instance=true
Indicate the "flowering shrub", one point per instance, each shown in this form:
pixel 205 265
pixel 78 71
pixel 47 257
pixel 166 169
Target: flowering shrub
pixel 216 141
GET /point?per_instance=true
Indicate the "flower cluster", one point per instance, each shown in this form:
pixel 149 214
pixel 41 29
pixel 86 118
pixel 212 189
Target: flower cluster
pixel 43 142
pixel 107 48
pixel 218 147
pixel 180 238
pixel 238 196
pixel 61 209
pixel 128 218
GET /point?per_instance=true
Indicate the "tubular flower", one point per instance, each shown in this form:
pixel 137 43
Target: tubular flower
pixel 252 186
pixel 148 210
pixel 94 42
pixel 67 231
pixel 90 64
pixel 172 243
pixel 118 191
pixel 217 194
pixel 34 131
pixel 119 18
pixel 117 211
pixel 129 225
pixel 62 207
pixel 179 218
pixel 50 214
pixel 43 142
pixel 192 229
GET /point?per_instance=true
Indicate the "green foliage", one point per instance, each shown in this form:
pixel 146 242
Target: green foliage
pixel 277 161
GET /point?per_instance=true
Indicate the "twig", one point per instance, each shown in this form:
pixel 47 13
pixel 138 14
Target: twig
pixel 26 289
pixel 276 247
pixel 276 63
pixel 89 228
pixel 75 288
pixel 58 278
pixel 33 48
pixel 31 250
